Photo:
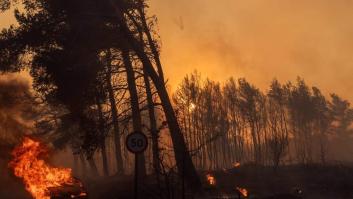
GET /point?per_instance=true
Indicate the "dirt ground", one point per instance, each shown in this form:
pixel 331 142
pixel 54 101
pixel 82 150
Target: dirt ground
pixel 312 182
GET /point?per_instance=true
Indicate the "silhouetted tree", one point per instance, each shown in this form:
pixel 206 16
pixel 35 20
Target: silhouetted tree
pixel 277 121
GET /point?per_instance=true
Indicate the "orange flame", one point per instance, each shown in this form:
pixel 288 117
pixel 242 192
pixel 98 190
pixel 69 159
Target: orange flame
pixel 243 191
pixel 236 165
pixel 192 107
pixel 211 180
pixel 36 174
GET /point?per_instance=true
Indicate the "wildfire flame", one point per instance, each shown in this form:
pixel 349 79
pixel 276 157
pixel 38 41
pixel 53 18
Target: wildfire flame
pixel 37 175
pixel 192 107
pixel 211 180
pixel 236 165
pixel 243 191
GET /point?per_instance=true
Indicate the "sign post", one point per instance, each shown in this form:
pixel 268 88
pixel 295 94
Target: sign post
pixel 136 142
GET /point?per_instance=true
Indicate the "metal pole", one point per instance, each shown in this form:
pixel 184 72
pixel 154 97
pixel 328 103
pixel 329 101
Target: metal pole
pixel 136 176
pixel 183 177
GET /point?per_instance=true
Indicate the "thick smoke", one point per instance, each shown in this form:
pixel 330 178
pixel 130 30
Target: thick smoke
pixel 16 108
pixel 259 40
pixel 255 39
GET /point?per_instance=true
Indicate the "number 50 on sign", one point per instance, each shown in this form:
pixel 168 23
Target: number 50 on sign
pixel 136 142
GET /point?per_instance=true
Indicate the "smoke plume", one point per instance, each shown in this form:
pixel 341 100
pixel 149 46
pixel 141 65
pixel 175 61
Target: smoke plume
pixel 16 108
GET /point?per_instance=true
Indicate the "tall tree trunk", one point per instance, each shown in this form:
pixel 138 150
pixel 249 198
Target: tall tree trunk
pixel 83 165
pixel 183 159
pixel 114 111
pixel 151 43
pixel 93 166
pixel 153 126
pixel 105 159
pixel 102 137
pixel 76 167
pixel 136 115
pixel 182 156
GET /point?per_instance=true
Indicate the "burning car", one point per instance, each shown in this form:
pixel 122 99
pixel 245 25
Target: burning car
pixel 66 191
pixel 42 180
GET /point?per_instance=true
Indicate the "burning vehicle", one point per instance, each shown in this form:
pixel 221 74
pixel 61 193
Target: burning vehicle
pixel 41 180
pixel 66 191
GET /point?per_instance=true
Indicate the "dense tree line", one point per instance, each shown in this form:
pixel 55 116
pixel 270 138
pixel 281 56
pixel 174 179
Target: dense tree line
pixel 236 122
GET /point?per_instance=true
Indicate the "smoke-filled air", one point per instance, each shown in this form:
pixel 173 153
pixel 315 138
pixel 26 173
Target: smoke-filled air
pixel 187 99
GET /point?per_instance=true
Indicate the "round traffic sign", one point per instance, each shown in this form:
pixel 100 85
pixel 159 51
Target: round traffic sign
pixel 136 142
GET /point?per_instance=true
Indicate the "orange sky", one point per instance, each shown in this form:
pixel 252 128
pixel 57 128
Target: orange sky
pixel 258 40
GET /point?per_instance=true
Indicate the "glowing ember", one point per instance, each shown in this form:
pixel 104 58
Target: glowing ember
pixel 237 164
pixel 211 180
pixel 242 191
pixel 83 194
pixel 192 107
pixel 37 175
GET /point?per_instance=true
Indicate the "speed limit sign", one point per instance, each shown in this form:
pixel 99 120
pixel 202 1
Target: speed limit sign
pixel 136 142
